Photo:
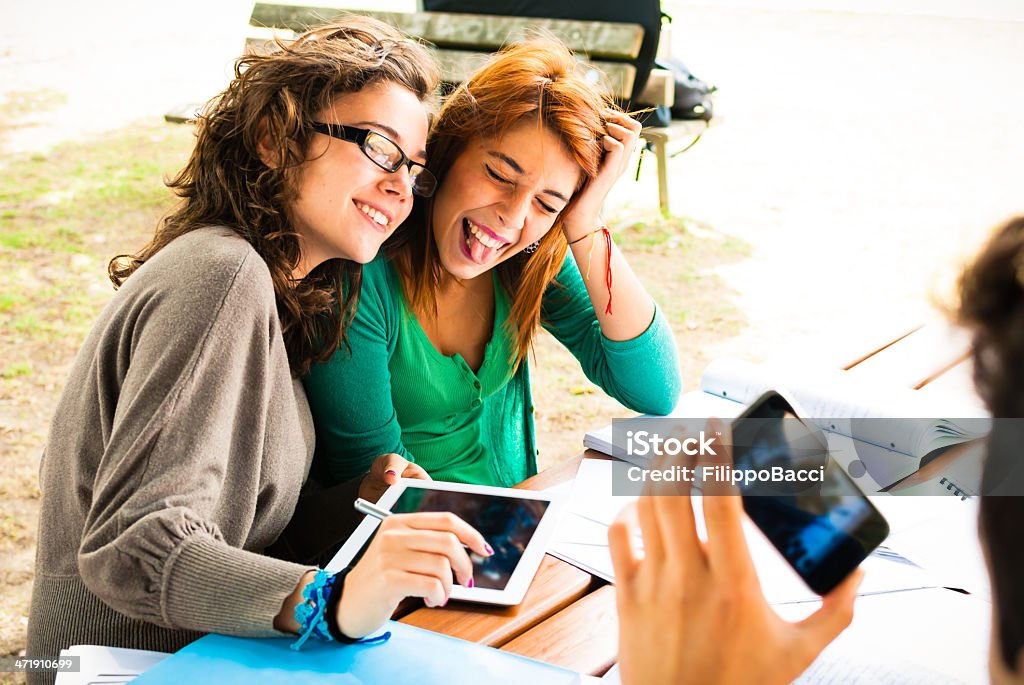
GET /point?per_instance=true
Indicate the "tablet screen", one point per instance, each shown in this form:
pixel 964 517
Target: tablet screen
pixel 507 524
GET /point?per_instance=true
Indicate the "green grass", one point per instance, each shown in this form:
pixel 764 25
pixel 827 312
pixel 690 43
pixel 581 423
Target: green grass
pixel 676 258
pixel 63 215
pixel 9 300
pixel 682 234
pixel 16 369
pixel 12 531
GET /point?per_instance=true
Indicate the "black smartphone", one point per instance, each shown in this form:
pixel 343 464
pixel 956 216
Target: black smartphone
pixel 806 505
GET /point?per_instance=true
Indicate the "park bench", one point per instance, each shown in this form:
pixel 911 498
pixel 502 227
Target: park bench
pixel 465 41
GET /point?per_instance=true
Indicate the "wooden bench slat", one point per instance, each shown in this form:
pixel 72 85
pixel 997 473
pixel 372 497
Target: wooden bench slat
pixel 458 65
pixel 556 586
pixel 478 31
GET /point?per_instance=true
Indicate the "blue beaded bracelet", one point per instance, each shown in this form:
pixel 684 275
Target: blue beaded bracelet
pixel 315 614
pixel 310 614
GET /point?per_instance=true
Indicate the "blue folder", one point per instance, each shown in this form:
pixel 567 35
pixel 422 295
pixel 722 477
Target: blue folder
pixel 412 655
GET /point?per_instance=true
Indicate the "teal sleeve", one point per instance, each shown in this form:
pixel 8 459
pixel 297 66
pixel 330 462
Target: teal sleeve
pixel 642 373
pixel 350 395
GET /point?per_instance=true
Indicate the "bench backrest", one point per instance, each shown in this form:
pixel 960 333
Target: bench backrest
pixel 465 41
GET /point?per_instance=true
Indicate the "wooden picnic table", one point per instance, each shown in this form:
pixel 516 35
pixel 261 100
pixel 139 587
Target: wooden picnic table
pixel 568 617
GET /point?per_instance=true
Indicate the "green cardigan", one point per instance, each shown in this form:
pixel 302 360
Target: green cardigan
pixel 489 438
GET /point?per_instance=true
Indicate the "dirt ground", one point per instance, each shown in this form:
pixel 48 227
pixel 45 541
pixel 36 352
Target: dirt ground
pixel 861 155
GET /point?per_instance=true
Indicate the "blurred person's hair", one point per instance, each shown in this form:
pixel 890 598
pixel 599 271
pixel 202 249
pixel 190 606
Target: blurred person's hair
pixel 992 307
pixel 535 82
pixel 273 98
pixel 991 293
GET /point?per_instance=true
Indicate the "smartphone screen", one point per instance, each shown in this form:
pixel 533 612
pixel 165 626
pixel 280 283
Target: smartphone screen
pixel 824 526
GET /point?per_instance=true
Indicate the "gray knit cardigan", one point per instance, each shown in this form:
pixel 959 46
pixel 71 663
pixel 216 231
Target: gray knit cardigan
pixel 175 457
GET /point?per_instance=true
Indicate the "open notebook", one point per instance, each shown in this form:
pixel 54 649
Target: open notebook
pixel 889 429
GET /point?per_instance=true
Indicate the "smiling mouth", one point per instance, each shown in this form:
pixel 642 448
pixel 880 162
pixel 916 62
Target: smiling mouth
pixel 478 245
pixel 375 215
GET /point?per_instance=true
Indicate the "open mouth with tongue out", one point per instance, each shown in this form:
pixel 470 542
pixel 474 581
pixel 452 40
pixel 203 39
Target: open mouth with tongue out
pixel 479 243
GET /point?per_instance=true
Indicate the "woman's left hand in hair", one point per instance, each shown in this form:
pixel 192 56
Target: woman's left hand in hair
pixel 621 136
pixel 385 472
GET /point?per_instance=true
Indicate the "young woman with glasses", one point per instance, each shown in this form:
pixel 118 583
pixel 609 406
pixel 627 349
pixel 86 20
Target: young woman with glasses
pixel 525 153
pixel 183 437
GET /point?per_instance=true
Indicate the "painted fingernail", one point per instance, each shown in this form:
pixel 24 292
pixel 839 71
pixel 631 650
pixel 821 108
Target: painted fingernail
pixel 488 549
pixel 391 472
pixel 470 583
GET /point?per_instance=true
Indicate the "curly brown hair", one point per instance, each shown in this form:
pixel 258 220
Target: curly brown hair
pixel 275 96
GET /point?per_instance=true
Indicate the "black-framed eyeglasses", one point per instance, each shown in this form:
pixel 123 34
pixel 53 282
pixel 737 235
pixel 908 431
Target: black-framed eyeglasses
pixel 383 152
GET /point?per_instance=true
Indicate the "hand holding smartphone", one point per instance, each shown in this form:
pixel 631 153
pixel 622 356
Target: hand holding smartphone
pixel 823 527
pixel 705 594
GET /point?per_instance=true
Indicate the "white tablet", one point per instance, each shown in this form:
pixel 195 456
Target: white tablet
pixel 516 523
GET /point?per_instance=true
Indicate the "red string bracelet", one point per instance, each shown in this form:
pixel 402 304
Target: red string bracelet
pixel 607 257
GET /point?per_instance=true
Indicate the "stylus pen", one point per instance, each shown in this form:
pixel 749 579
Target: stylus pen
pixel 370 509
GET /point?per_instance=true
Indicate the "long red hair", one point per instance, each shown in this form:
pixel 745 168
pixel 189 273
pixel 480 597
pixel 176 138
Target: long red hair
pixel 536 80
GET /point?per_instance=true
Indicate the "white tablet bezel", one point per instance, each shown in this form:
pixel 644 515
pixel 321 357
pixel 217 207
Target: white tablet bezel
pixel 525 570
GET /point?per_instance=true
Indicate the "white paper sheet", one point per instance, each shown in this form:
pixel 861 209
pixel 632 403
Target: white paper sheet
pixel 107 665
pixel 917 637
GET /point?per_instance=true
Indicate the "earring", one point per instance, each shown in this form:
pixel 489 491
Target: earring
pixel 531 248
